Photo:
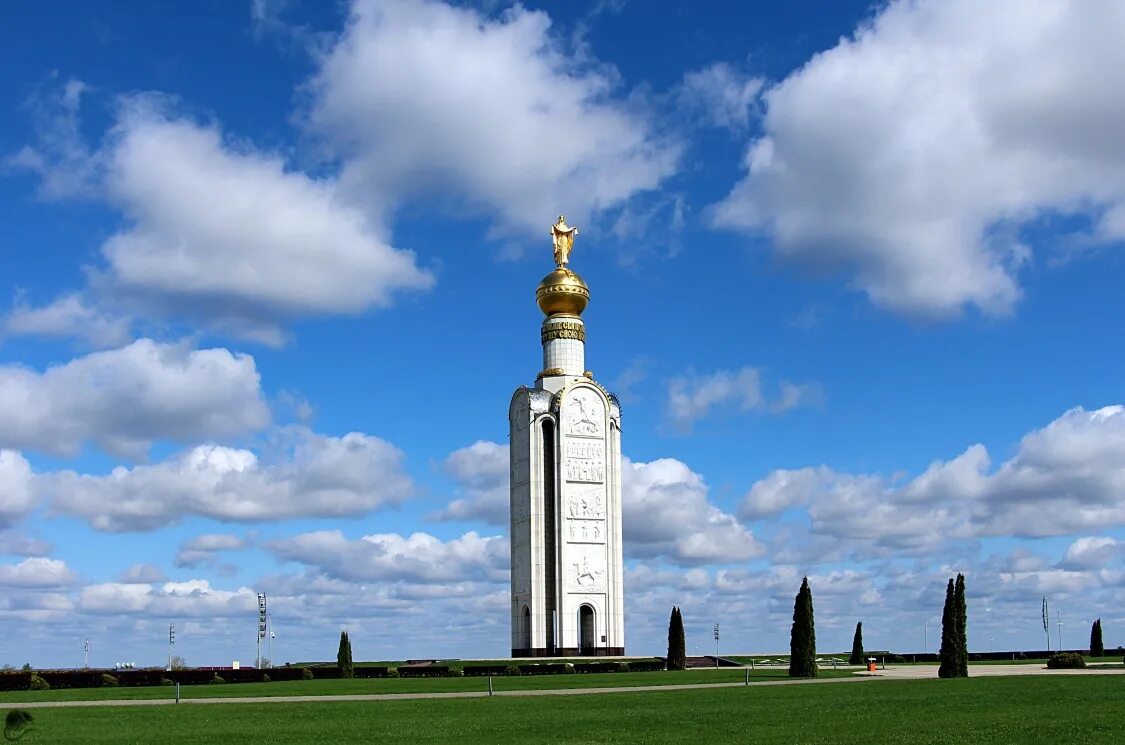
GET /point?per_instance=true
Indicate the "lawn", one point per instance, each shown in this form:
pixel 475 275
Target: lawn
pixel 984 710
pixel 402 685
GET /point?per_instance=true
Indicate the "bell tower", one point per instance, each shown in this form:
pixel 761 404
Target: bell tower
pixel 565 435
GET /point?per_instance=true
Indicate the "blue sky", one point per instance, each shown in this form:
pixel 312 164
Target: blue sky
pixel 855 276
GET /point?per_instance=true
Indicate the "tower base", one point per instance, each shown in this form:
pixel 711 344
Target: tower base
pixel 570 652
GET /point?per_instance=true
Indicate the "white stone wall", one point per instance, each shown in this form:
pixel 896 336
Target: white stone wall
pixel 568 355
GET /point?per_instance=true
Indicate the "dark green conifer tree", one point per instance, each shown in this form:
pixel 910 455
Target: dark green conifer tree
pixel 677 647
pixel 962 628
pixel 1097 648
pixel 857 646
pixel 344 656
pixel 947 655
pixel 802 640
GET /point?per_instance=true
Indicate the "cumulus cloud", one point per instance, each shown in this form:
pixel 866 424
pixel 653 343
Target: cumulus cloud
pixel 913 152
pixel 16 544
pixel 190 599
pixel 419 96
pixel 1064 478
pixel 36 572
pixel 202 549
pixel 419 557
pixel 666 514
pixel 693 397
pixel 124 399
pixel 481 471
pixel 315 476
pixel 1092 552
pixel 17 493
pixel 142 574
pixel 219 230
pixel 69 316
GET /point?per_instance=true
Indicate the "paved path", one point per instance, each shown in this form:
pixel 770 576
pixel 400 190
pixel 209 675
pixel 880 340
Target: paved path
pixel 410 696
pixel 904 672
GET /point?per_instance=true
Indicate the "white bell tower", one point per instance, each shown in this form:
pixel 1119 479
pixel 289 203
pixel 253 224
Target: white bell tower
pixel 565 434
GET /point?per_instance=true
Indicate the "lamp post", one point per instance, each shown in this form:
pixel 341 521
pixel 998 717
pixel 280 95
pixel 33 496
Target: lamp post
pixel 1058 619
pixel 716 645
pixel 171 643
pixel 261 626
pixel 86 654
pixel 1046 624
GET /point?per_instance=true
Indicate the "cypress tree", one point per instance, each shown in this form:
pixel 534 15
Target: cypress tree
pixel 802 640
pixel 344 656
pixel 857 646
pixel 677 647
pixel 948 653
pixel 1097 649
pixel 962 627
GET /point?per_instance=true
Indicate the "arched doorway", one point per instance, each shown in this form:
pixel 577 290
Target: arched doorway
pixel 525 629
pixel 586 643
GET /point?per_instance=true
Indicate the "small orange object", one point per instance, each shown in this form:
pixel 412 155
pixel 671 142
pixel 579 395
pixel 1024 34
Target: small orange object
pixel 871 667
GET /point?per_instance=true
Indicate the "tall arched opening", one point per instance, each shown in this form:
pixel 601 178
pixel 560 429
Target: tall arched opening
pixel 586 628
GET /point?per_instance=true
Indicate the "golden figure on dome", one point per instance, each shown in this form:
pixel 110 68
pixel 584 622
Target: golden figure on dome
pixel 563 237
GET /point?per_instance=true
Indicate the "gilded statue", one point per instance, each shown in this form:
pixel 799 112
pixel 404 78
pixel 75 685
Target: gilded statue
pixel 563 238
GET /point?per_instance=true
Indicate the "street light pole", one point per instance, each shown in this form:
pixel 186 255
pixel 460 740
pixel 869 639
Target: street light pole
pixel 1058 619
pixel 86 654
pixel 1046 624
pixel 171 642
pixel 926 635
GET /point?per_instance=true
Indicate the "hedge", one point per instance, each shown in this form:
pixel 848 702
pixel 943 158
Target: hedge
pixel 370 672
pixel 646 666
pixel 480 670
pixel 546 668
pixel 424 671
pixel 601 667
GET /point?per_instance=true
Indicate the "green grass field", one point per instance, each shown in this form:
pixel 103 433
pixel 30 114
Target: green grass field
pixel 985 710
pixel 401 685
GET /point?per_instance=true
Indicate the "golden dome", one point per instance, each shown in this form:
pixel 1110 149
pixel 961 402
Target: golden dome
pixel 562 291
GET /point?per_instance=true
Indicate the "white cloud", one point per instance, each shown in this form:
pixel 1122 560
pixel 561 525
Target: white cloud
pixel 142 574
pixel 1092 552
pixel 191 599
pixel 17 494
pixel 1064 478
pixel 913 152
pixel 419 558
pixel 217 229
pixel 720 95
pixel 317 476
pixel 200 550
pixel 36 572
pixel 69 316
pixel 693 397
pixel 226 223
pixel 15 544
pixel 66 165
pixel 126 398
pixel 666 514
pixel 420 95
pixel 481 471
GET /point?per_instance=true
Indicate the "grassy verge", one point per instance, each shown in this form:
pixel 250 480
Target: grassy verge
pixel 968 711
pixel 399 685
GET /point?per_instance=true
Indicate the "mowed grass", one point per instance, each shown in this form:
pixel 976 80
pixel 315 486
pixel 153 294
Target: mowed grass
pixel 1064 709
pixel 402 685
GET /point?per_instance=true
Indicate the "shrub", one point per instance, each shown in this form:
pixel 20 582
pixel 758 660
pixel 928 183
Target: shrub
pixel 306 674
pixel 454 672
pixel 216 680
pixel 481 670
pixel 108 681
pixel 646 666
pixel 512 670
pixel 1066 661
pixel 166 682
pixel 265 677
pixel 622 667
pixel 392 672
pixel 38 684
